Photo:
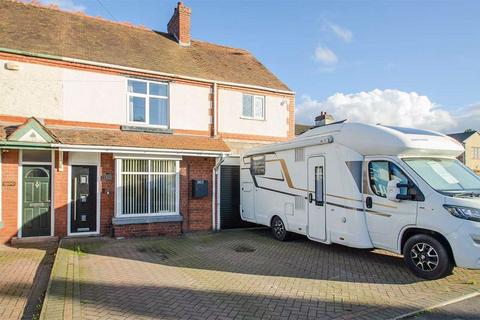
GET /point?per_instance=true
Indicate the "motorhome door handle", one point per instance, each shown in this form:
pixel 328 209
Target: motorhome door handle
pixel 369 202
pixel 310 197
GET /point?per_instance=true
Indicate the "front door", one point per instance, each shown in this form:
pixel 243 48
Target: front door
pixel 316 199
pixel 36 201
pixel 83 207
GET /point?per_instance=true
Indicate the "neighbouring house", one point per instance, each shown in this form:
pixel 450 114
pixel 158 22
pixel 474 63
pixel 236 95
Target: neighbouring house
pixel 471 142
pixel 113 129
pixel 322 119
pixel 301 128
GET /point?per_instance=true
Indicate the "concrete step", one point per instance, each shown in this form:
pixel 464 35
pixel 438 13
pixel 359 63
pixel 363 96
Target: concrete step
pixel 33 240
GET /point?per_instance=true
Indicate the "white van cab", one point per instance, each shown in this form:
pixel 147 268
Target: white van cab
pixel 369 186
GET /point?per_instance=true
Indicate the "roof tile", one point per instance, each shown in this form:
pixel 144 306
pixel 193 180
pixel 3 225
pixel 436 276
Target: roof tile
pixel 53 32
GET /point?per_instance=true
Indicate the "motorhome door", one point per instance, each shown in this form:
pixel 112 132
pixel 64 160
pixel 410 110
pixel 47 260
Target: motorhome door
pixel 386 218
pixel 316 226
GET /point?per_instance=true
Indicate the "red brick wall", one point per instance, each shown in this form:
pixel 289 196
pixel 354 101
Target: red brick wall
pixel 107 197
pixel 197 213
pixel 148 229
pixel 60 186
pixel 9 195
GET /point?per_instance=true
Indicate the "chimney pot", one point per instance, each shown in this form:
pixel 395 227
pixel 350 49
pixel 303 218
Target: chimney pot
pixel 323 119
pixel 179 24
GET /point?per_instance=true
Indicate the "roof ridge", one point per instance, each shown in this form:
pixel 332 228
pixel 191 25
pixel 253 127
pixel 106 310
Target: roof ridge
pixel 54 7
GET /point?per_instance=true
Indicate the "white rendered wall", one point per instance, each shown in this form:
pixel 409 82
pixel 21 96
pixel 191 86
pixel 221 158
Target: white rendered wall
pixel 189 107
pixel 94 97
pixel 230 104
pixel 33 90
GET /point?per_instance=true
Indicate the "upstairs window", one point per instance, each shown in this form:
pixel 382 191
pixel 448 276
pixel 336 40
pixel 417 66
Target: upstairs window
pixel 148 103
pixel 253 107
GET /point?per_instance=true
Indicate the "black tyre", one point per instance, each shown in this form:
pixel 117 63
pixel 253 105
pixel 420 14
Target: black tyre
pixel 278 229
pixel 427 257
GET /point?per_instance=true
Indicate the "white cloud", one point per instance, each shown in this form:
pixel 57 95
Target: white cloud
pixel 341 32
pixel 391 107
pixel 325 56
pixel 68 5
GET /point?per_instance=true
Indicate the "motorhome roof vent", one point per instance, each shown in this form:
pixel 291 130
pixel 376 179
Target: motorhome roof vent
pixel 323 119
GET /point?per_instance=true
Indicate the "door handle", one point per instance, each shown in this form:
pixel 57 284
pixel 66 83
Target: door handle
pixel 75 199
pixel 369 202
pixel 310 197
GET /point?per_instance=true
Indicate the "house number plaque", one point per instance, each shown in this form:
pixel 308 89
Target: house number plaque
pixel 9 183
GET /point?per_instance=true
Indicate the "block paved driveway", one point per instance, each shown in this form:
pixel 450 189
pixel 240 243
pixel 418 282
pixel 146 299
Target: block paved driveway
pixel 24 274
pixel 237 275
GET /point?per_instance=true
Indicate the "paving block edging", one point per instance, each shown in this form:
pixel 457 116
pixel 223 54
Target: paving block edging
pixel 62 299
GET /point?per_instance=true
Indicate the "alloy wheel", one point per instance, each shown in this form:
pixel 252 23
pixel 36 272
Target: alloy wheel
pixel 278 228
pixel 424 256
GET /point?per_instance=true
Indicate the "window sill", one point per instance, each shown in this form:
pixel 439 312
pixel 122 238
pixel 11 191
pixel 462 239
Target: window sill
pixel 146 128
pixel 248 118
pixel 146 219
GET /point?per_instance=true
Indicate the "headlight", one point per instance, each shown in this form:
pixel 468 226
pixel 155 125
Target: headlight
pixel 463 212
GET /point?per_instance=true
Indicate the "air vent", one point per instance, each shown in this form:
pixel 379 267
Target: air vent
pixel 299 203
pixel 299 154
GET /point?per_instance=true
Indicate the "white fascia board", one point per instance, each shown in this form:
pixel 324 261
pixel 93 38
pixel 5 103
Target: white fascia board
pixel 130 150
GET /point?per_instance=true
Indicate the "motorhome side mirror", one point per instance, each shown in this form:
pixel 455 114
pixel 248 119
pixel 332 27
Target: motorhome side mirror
pixel 393 190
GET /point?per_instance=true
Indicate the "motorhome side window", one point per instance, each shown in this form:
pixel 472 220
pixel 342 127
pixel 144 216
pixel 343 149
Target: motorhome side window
pixel 319 186
pixel 257 166
pixel 381 172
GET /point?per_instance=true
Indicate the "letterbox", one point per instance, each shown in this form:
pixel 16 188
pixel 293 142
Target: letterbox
pixel 199 188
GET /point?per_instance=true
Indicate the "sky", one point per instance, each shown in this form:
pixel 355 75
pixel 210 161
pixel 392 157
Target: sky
pixel 409 63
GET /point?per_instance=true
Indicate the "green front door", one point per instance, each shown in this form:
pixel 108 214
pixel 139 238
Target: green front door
pixel 36 201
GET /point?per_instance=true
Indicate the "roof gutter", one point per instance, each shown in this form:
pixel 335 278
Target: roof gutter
pixel 114 66
pixel 25 145
pixel 133 150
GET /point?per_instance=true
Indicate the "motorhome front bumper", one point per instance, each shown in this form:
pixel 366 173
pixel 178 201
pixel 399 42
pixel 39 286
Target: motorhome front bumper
pixel 465 243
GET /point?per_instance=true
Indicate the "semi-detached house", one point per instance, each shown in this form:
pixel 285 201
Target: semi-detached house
pixel 113 129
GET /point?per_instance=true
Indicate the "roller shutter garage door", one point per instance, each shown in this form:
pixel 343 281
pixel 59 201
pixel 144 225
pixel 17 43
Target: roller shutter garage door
pixel 230 198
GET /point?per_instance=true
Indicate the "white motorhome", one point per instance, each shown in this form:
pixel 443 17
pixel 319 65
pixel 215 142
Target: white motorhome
pixel 369 186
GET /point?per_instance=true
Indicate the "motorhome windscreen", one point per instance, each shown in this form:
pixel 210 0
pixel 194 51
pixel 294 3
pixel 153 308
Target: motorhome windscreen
pixel 445 175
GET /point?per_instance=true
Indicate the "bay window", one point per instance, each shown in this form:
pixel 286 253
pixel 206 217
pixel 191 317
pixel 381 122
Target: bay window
pixel 148 102
pixel 147 187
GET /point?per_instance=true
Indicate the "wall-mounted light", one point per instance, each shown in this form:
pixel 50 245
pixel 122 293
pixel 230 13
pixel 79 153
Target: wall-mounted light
pixel 12 66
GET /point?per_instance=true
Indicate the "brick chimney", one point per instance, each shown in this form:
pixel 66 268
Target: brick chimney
pixel 179 24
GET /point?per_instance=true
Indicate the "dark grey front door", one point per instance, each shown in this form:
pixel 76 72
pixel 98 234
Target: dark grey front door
pixel 83 207
pixel 36 201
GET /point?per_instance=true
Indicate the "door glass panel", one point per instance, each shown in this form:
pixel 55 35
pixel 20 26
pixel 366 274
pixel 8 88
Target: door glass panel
pixel 319 186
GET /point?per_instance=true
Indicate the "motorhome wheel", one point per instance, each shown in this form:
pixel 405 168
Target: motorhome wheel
pixel 427 258
pixel 278 228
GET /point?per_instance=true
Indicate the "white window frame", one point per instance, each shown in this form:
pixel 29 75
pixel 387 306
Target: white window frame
pixel 118 186
pixel 147 103
pixel 254 117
